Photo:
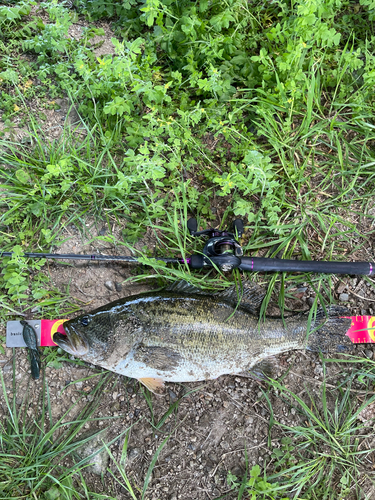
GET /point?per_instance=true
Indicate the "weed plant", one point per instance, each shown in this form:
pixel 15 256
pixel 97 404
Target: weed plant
pixel 256 486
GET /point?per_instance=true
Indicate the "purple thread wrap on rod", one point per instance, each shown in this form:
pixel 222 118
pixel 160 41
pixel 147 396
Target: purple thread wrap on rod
pixel 370 273
pixel 184 261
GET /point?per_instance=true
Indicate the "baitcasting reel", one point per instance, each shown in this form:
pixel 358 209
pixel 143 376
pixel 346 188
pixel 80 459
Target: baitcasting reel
pixel 222 248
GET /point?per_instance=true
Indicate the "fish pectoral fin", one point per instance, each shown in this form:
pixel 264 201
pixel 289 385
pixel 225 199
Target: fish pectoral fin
pixel 158 357
pixel 155 385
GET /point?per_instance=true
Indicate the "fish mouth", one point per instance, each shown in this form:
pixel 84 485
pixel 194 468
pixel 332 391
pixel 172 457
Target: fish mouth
pixel 71 342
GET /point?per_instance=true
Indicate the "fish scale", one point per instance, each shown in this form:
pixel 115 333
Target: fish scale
pixel 183 334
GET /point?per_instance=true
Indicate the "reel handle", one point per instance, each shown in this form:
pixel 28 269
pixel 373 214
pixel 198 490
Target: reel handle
pixel 238 227
pixel 192 225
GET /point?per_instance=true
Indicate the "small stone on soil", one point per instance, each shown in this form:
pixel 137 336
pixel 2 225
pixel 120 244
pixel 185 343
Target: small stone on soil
pixel 344 297
pixel 101 460
pixel 109 285
pixel 172 396
pixel 369 353
pixel 118 286
pixel 318 370
pixel 310 301
pixel 115 406
pixel 132 454
pixel 7 368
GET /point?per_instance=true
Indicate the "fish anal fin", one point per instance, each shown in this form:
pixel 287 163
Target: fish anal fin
pixel 264 370
pixel 250 296
pixel 155 385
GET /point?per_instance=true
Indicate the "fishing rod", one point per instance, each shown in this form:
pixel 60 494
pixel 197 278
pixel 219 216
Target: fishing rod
pixel 223 250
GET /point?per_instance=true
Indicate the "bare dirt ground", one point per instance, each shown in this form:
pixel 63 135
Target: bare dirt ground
pixel 216 421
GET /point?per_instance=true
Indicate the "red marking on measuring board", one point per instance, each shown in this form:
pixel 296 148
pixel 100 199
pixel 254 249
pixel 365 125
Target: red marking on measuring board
pixel 362 329
pixel 48 328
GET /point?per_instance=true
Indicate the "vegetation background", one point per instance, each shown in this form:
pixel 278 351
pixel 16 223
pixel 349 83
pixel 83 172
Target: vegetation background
pixel 216 109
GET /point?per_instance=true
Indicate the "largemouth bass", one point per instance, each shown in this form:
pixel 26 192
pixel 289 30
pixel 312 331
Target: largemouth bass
pixel 182 334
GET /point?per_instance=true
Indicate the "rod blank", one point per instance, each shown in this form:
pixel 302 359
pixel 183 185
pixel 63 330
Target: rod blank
pixel 61 256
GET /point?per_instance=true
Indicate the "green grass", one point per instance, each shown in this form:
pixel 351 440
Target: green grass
pixel 218 110
pixel 33 448
pixel 326 456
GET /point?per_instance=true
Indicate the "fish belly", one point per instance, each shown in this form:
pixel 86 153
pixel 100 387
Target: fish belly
pixel 133 368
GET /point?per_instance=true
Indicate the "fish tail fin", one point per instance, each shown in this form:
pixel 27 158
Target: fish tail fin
pixel 328 331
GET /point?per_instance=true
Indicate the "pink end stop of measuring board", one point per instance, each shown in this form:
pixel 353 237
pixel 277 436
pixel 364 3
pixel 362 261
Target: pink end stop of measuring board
pixel 48 328
pixel 362 329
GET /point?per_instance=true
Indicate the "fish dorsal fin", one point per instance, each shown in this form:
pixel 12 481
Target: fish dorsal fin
pixel 185 287
pixel 251 299
pixel 155 385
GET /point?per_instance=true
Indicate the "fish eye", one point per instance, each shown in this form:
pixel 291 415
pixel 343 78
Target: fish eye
pixel 85 320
